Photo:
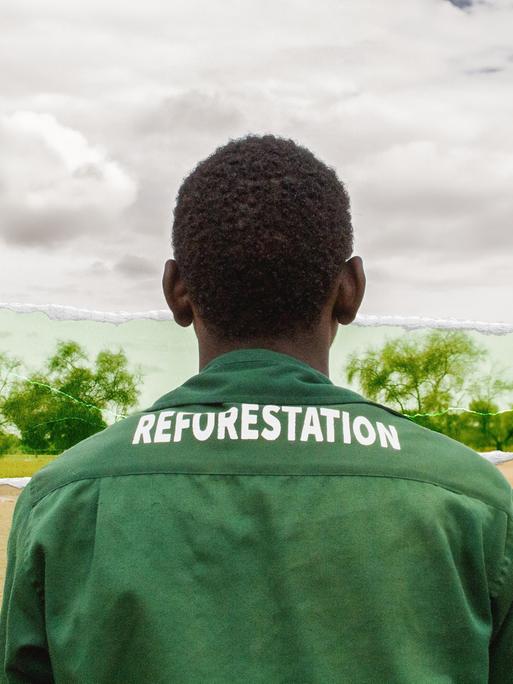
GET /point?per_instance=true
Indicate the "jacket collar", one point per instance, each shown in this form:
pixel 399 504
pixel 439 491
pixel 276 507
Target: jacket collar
pixel 259 376
pixel 258 355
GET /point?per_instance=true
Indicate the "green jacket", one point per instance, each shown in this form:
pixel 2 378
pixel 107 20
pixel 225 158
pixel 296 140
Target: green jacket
pixel 260 524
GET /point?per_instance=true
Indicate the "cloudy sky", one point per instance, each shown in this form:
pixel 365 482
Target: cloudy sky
pixel 106 106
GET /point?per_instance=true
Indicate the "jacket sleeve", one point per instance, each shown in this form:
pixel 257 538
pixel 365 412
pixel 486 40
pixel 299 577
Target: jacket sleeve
pixel 24 653
pixel 501 644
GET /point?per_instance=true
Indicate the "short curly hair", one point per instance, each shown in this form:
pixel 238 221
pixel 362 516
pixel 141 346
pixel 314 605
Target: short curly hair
pixel 261 230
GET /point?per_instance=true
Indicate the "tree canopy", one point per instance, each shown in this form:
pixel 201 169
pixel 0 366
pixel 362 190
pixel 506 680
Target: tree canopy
pixel 428 376
pixel 71 398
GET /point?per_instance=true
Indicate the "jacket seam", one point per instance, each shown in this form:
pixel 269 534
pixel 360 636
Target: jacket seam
pixel 245 474
pixel 498 583
pixel 265 399
pixel 270 400
pixel 26 544
pixel 267 363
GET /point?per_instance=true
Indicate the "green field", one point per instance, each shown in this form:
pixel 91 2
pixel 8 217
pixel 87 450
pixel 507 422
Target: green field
pixel 22 465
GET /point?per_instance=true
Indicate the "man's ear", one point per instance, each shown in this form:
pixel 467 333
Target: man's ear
pixel 350 291
pixel 176 294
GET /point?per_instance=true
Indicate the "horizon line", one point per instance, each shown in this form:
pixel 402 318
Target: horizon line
pixel 64 312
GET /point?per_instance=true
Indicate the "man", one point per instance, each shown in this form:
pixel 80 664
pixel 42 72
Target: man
pixel 259 523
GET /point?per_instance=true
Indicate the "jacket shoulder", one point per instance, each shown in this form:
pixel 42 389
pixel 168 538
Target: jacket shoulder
pixel 447 462
pixel 91 458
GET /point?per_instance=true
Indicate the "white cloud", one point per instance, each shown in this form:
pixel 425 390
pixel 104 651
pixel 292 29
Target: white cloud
pixel 67 181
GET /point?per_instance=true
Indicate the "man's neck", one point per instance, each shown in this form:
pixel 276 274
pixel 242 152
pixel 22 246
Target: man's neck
pixel 307 348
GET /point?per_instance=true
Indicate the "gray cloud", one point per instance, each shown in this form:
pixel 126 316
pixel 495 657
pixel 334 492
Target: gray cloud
pixel 89 171
pixel 98 268
pixel 48 229
pixel 462 4
pixel 131 265
pixel 192 110
pixel 70 189
pixel 484 70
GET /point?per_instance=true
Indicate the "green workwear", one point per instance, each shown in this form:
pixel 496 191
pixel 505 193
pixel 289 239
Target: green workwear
pixel 260 524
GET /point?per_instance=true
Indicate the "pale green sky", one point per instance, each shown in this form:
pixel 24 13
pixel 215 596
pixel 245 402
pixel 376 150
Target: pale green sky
pixel 167 353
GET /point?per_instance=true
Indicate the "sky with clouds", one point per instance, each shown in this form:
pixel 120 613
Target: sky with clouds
pixel 106 106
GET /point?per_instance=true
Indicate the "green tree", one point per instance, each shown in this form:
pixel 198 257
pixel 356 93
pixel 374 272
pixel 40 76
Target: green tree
pixel 9 442
pixel 70 400
pixel 425 374
pixel 8 366
pixel 489 427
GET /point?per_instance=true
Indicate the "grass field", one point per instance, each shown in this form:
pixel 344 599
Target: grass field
pixel 22 465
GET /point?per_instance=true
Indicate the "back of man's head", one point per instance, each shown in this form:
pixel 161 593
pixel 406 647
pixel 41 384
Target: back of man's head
pixel 261 231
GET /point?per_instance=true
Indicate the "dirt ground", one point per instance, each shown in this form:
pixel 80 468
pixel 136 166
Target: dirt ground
pixel 8 496
pixel 507 470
